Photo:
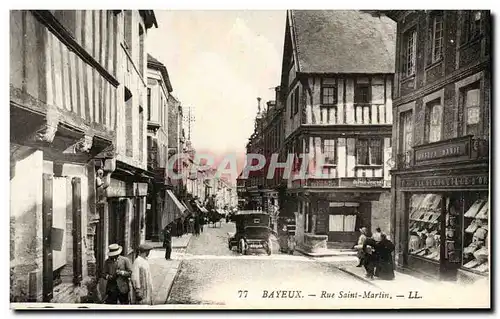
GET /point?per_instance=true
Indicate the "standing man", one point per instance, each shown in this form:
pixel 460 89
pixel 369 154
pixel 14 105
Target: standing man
pixel 167 242
pixel 142 281
pixel 117 270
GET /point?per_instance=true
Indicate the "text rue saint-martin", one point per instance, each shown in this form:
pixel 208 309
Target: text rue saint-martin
pixel 368 294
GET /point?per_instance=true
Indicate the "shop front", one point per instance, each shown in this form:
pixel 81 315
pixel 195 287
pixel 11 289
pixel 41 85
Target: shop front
pixel 442 212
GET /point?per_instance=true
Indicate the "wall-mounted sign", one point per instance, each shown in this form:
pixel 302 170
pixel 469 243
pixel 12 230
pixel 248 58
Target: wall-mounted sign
pixel 443 152
pixel 445 181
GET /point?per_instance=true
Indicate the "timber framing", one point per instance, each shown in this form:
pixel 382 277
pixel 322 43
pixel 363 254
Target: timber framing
pixel 53 25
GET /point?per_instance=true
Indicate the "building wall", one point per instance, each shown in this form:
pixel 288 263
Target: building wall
pixel 159 114
pixel 461 64
pixel 131 127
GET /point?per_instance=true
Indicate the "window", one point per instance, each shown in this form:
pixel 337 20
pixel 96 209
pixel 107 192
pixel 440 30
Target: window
pixel 296 101
pixel 406 131
pixel 292 101
pixel 410 49
pixel 342 223
pixel 472 25
pixel 141 50
pixel 328 150
pixel 149 104
pixel 369 151
pixel 362 93
pixel 435 37
pixel 127 28
pixel 433 119
pixel 328 92
pixel 472 108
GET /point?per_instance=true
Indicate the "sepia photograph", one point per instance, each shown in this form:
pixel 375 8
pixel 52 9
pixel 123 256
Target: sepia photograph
pixel 250 159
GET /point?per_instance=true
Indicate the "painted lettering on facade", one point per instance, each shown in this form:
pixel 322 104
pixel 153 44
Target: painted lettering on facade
pixel 446 181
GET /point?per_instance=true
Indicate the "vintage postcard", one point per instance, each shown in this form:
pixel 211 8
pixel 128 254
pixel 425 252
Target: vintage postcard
pixel 252 159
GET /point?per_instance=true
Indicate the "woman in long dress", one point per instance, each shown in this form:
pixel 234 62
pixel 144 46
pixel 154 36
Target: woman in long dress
pixel 385 267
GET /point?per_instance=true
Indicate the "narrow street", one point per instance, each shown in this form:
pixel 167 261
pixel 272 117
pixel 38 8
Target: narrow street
pixel 211 274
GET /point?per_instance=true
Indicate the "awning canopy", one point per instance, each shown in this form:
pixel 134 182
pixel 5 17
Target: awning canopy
pixel 201 208
pixel 172 210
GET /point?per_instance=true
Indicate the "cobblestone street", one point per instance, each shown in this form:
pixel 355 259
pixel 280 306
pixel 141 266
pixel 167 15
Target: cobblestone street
pixel 212 274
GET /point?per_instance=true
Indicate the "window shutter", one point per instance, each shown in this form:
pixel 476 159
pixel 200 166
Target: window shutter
pixel 77 231
pixel 47 238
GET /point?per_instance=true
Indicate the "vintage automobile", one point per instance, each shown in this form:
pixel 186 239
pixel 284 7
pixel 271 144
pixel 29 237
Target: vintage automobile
pixel 252 232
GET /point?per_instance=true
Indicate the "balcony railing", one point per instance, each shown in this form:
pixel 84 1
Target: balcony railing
pixel 454 150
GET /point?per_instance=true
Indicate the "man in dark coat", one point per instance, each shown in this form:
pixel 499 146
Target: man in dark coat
pixel 117 271
pixel 385 267
pixel 370 256
pixel 167 242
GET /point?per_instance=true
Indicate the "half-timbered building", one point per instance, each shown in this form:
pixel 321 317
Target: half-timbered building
pixel 72 126
pixel 336 86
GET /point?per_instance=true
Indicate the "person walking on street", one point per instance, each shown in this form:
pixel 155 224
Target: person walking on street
pixel 167 242
pixel 142 281
pixel 370 257
pixel 116 271
pixel 385 267
pixel 359 246
pixel 197 226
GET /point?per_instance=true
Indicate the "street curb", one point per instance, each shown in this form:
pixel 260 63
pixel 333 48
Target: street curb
pixel 184 246
pixel 358 277
pixel 326 254
pixel 169 290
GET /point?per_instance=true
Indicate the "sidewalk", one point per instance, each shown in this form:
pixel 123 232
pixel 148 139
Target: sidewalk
pixel 177 242
pixel 327 252
pixel 164 271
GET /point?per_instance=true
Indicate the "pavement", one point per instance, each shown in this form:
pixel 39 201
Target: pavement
pixel 327 252
pixel 204 272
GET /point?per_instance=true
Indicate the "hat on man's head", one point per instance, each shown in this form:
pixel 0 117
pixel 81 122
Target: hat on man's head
pixel 144 248
pixel 114 250
pixel 363 230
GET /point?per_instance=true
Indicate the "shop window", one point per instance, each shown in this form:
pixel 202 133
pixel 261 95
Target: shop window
pixel 472 25
pixel 425 226
pixel 470 97
pixel 369 151
pixel 410 49
pixel 342 223
pixel 435 38
pixel 433 121
pixel 475 236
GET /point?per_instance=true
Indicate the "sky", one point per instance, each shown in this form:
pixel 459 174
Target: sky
pixel 219 62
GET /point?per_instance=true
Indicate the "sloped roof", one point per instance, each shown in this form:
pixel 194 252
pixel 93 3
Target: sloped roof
pixel 153 63
pixel 335 41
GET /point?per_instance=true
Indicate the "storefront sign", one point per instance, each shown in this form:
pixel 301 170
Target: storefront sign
pixel 367 182
pixel 448 152
pixel 330 182
pixel 446 181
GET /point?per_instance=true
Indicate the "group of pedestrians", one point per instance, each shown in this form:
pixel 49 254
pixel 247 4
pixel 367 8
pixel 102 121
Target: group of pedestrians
pixel 375 254
pixel 127 282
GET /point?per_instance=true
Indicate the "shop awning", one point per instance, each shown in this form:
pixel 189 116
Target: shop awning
pixel 189 206
pixel 172 210
pixel 222 212
pixel 201 208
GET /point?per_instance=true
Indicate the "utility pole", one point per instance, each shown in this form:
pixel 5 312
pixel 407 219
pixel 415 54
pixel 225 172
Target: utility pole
pixel 189 119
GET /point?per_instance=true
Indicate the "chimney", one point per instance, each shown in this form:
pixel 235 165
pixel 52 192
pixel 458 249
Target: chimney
pixel 258 104
pixel 277 97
